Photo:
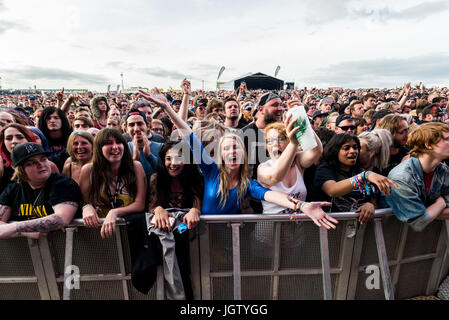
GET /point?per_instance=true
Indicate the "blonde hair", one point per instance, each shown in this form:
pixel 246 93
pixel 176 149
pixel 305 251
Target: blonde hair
pixel 380 141
pixel 19 174
pixel 224 185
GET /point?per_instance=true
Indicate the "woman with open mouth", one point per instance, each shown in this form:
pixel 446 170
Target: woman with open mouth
pixel 226 182
pixel 112 185
pixel 340 179
pixel 79 147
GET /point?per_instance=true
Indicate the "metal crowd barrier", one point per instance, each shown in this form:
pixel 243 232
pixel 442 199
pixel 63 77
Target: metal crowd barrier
pixel 240 257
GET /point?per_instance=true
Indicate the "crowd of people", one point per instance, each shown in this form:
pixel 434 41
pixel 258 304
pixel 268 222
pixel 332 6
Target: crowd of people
pixel 221 152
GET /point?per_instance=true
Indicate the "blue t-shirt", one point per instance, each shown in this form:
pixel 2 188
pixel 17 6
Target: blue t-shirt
pixel 211 199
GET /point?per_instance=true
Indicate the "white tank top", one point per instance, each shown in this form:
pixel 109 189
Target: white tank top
pixel 297 191
pixel 292 234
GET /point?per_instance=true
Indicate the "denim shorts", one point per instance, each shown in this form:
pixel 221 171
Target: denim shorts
pixel 419 223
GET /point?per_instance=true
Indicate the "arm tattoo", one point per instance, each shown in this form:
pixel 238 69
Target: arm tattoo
pixel 47 224
pixel 70 203
pixel 3 210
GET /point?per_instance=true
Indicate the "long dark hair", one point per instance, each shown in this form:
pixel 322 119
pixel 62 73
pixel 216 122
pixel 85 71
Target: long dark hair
pixel 101 173
pixel 190 177
pixel 333 146
pixel 4 153
pixel 42 124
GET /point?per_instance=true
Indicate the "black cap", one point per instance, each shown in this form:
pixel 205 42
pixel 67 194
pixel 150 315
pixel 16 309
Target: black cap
pixel 135 112
pixel 342 117
pixel 26 150
pixel 318 113
pixel 379 115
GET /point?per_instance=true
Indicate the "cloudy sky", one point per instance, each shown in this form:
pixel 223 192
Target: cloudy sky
pixel 87 44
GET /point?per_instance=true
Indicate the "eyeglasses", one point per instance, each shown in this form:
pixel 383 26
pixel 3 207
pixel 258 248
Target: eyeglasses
pixel 346 128
pixel 272 141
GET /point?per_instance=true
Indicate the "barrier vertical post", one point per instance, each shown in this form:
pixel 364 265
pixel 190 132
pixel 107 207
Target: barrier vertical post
pixel 325 264
pixel 383 259
pixel 236 261
pixel 68 261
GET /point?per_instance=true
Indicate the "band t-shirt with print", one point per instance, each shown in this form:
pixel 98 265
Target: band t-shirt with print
pixel 27 203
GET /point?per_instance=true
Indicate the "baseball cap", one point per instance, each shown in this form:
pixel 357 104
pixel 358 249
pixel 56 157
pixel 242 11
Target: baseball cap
pixel 201 102
pixel 175 100
pixel 342 117
pixel 318 113
pixel 134 112
pixel 327 99
pixel 379 115
pixel 142 103
pixel 31 97
pixel 26 150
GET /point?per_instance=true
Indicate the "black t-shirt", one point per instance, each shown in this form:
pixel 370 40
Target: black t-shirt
pixel 347 203
pixel 254 140
pixel 27 203
pixel 58 152
pixel 395 159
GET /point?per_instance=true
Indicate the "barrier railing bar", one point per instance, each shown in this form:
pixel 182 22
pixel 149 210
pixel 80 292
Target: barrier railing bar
pixel 400 253
pixel 49 269
pixel 66 293
pixel 347 248
pixel 283 272
pixel 38 269
pixel 392 263
pixel 383 260
pixel 356 256
pixel 236 261
pixel 219 218
pixel 121 260
pixel 18 280
pixel 99 277
pixel 325 263
pixel 276 258
pixel 432 283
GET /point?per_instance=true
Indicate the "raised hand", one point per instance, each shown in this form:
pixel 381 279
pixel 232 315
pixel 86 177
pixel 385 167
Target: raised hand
pixel 315 212
pixel 291 132
pixel 156 97
pixel 60 94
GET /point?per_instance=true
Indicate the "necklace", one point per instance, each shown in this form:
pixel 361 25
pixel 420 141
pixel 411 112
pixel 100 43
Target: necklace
pixel 33 207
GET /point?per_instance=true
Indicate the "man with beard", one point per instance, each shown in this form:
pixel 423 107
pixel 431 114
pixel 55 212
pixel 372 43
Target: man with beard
pixel 232 113
pixel 269 110
pixel 142 149
pixel 399 129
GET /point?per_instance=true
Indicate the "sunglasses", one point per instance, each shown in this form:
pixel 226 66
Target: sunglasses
pixel 272 141
pixel 346 128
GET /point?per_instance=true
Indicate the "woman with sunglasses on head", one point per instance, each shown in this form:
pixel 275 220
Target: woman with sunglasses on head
pixel 226 182
pixel 112 185
pixel 340 180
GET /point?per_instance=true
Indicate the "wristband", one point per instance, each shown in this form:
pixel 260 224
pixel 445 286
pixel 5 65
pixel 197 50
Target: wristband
pixel 86 205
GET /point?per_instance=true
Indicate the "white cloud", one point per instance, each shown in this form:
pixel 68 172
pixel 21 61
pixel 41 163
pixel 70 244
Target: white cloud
pixel 159 43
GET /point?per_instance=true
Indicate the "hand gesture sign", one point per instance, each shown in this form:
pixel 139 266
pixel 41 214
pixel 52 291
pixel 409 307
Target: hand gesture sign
pixel 60 94
pixel 185 86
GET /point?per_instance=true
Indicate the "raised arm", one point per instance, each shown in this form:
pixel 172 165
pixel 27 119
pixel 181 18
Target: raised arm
pixel 312 209
pixel 183 110
pixel 306 158
pixel 161 101
pixel 271 175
